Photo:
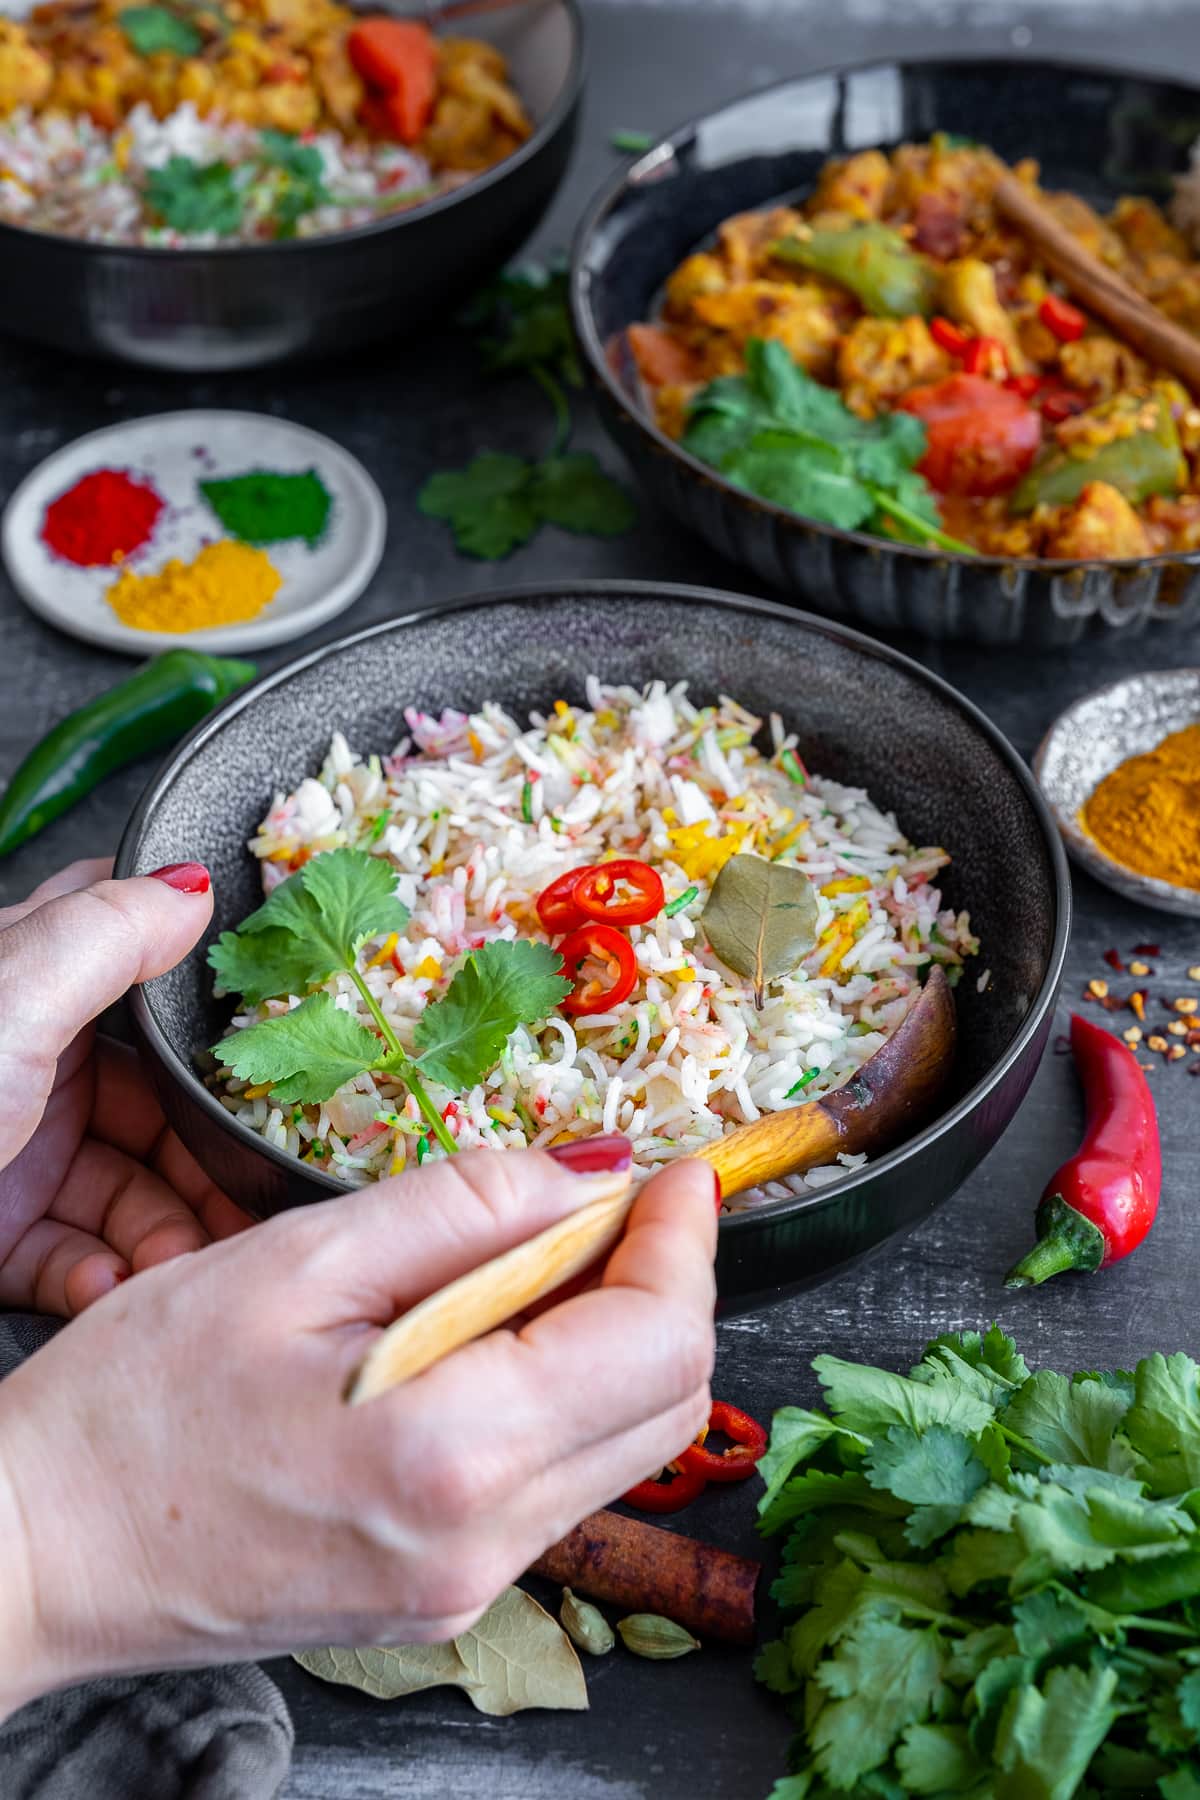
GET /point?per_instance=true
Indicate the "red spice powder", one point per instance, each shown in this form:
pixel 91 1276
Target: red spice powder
pixel 102 519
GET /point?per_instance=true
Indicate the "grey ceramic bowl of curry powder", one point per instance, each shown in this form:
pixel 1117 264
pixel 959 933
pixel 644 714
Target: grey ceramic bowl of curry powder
pixel 1091 739
pixel 866 716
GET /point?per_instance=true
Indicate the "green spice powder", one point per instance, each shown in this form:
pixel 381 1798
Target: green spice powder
pixel 266 508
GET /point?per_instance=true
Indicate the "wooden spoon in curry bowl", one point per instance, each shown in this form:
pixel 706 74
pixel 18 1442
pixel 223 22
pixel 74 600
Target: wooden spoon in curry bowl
pixel 893 1092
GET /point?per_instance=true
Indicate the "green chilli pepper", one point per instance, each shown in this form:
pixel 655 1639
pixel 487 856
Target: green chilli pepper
pixel 1145 463
pixel 148 712
pixel 871 260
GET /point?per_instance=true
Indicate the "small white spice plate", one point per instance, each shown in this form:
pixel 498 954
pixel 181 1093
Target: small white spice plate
pixel 1088 741
pixel 175 452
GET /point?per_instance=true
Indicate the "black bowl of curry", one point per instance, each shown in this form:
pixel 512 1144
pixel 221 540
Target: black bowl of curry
pixel 826 348
pixel 201 187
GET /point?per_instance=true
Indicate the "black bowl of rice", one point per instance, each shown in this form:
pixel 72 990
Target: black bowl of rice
pixel 501 741
pixel 236 303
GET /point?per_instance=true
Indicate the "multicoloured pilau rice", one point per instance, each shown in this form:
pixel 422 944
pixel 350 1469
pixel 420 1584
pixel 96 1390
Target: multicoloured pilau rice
pixel 70 176
pixel 478 814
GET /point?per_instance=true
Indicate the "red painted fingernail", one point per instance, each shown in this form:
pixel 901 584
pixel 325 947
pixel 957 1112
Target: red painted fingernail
pixel 606 1155
pixel 188 878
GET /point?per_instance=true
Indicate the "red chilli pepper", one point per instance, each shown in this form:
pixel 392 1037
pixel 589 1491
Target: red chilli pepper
pixel 951 337
pixel 986 356
pixel 597 897
pixel 1100 1205
pixel 1056 403
pixel 748 1442
pixel 602 965
pixel 658 1496
pixel 1066 322
pixel 556 906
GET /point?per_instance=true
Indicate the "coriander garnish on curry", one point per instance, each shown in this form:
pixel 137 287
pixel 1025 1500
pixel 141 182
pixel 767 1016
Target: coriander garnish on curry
pixel 892 355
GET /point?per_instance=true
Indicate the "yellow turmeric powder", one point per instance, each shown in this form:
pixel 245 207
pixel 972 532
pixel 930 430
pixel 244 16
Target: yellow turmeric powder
pixel 225 583
pixel 1146 813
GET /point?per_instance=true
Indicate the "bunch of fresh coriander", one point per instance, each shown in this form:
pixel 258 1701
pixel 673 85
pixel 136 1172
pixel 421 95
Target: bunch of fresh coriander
pixel 993 1579
pixel 499 501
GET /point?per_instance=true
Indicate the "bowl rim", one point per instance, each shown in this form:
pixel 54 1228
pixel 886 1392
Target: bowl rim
pixel 1142 890
pixel 615 187
pixel 12 236
pixel 537 596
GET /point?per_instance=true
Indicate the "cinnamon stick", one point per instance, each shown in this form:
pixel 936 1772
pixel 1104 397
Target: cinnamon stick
pixel 644 1569
pixel 1100 289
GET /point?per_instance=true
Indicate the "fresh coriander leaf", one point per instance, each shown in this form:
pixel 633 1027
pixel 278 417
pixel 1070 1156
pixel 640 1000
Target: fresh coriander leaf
pixel 870 1400
pixel 883 1679
pixel 329 909
pixel 1003 1676
pixel 1047 1738
pixel 804 475
pixel 302 188
pixel 937 1759
pixel 1149 1587
pixel 462 1035
pixel 816 1489
pixel 264 966
pixel 1121 1379
pixel 528 324
pixel 796 1434
pixel 846 1594
pixel 150 29
pixel 573 492
pixel 773 1667
pixel 938 1472
pixel 1072 1424
pixel 193 199
pixel 489 505
pixel 1188 1695
pixel 793 1787
pixel 994 1354
pixel 972 1654
pixel 1163 1424
pixel 306 1054
pixel 981 1556
pixel 1132 1772
pixel 1181 1784
pixel 1165 1727
pixel 1050 1621
pixel 285 150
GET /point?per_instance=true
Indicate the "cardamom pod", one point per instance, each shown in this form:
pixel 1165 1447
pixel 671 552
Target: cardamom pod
pixel 649 1634
pixel 586 1625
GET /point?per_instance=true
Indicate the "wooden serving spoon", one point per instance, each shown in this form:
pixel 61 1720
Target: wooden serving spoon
pixel 893 1092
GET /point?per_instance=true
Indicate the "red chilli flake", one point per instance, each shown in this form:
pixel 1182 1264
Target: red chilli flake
pixel 102 519
pixel 1114 961
pixel 1147 949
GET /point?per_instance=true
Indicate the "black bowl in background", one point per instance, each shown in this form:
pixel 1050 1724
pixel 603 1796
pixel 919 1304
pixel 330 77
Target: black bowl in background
pixel 235 306
pixel 1098 132
pixel 865 715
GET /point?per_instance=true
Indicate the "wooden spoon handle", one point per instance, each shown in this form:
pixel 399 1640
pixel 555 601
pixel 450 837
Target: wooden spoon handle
pixel 892 1092
pixel 1100 288
pixel 483 1299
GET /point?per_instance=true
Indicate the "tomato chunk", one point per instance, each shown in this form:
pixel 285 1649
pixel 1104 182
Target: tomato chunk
pixel 397 58
pixel 980 437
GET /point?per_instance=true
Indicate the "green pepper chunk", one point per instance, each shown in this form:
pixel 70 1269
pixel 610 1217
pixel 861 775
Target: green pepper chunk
pixel 871 260
pixel 150 711
pixel 1145 463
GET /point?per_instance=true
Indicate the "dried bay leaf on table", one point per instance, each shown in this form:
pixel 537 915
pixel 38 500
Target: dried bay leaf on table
pixel 388 1673
pixel 761 919
pixel 515 1657
pixel 518 1656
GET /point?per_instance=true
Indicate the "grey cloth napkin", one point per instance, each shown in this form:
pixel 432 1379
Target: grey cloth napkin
pixel 205 1734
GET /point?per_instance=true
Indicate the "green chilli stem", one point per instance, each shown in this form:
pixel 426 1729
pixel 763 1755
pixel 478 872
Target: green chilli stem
pixel 921 528
pixel 552 389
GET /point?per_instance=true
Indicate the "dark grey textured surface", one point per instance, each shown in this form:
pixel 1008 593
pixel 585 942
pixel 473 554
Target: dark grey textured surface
pixel 698 1727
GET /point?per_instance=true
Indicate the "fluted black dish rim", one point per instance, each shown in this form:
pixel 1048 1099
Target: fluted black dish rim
pixel 542 134
pixel 611 191
pixel 535 597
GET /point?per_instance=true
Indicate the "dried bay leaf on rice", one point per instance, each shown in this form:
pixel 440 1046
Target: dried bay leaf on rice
pixel 761 919
pixel 515 1657
pixel 388 1673
pixel 518 1656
